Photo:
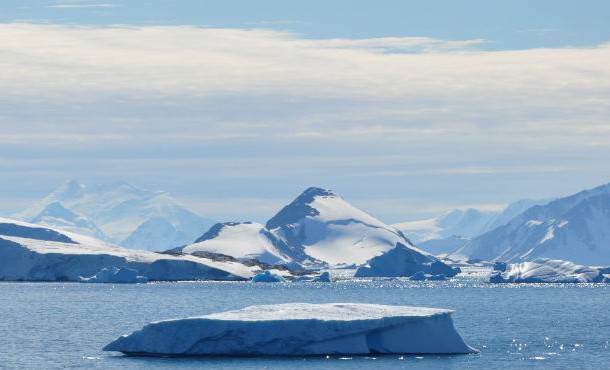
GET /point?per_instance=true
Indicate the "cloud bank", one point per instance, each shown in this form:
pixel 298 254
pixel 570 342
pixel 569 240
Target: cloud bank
pixel 255 105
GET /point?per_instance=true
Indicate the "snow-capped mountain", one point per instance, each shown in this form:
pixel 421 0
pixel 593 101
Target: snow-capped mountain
pixel 574 228
pixel 321 225
pixel 441 247
pixel 318 227
pixel 241 240
pixel 125 215
pixel 38 253
pixel 461 224
pixel 55 214
pixel 466 223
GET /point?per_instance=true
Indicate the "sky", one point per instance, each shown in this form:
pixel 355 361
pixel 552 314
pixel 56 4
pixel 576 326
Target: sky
pixel 407 109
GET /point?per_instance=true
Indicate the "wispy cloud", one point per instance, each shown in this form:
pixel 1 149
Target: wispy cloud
pixel 82 5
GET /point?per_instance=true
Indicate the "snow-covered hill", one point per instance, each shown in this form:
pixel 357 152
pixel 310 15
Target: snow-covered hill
pixel 574 228
pixel 241 240
pixel 321 225
pixel 31 252
pixel 119 213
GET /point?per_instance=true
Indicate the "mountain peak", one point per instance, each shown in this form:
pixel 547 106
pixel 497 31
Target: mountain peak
pixel 313 191
pixel 300 207
pixel 69 190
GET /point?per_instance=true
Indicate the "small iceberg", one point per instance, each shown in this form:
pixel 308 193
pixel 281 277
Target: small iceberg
pixel 300 329
pixel 544 270
pixel 267 277
pixel 420 276
pixel 322 278
pixel 115 275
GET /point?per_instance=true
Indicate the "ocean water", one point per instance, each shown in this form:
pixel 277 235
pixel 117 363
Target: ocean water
pixel 65 325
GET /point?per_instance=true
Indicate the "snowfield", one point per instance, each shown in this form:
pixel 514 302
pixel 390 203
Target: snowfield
pixel 300 329
pixel 241 240
pixel 544 270
pixel 34 253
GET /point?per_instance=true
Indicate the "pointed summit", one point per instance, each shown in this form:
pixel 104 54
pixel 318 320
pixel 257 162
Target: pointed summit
pixel 300 207
pixel 70 189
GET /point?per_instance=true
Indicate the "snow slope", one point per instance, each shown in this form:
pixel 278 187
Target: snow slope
pixel 575 228
pixel 36 253
pixel 544 270
pixel 126 215
pixel 241 240
pixel 300 329
pixel 321 225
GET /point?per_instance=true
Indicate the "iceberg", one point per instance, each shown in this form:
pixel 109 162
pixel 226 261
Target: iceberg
pixel 116 275
pixel 267 277
pixel 300 329
pixel 403 262
pixel 420 276
pixel 544 270
pixel 322 278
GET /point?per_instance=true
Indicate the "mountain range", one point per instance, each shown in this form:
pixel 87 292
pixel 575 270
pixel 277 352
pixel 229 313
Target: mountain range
pixel 574 228
pixel 119 213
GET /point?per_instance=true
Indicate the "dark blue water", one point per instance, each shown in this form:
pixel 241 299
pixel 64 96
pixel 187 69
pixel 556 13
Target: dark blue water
pixel 64 325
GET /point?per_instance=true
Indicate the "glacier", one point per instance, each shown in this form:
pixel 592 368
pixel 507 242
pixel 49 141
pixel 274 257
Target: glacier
pixel 31 252
pixel 402 261
pixel 544 270
pixel 300 329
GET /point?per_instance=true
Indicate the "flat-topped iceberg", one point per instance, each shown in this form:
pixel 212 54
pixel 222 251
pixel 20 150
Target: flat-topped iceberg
pixel 300 329
pixel 544 270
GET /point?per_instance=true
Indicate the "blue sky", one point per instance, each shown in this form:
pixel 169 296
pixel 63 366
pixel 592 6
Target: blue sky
pixel 405 108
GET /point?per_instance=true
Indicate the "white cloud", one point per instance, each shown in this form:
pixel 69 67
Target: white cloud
pixel 413 116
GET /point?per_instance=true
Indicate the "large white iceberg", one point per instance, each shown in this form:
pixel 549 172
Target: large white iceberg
pixel 544 270
pixel 403 261
pixel 300 329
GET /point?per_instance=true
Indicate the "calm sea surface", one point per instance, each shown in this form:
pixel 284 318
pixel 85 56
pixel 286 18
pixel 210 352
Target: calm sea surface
pixel 65 325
